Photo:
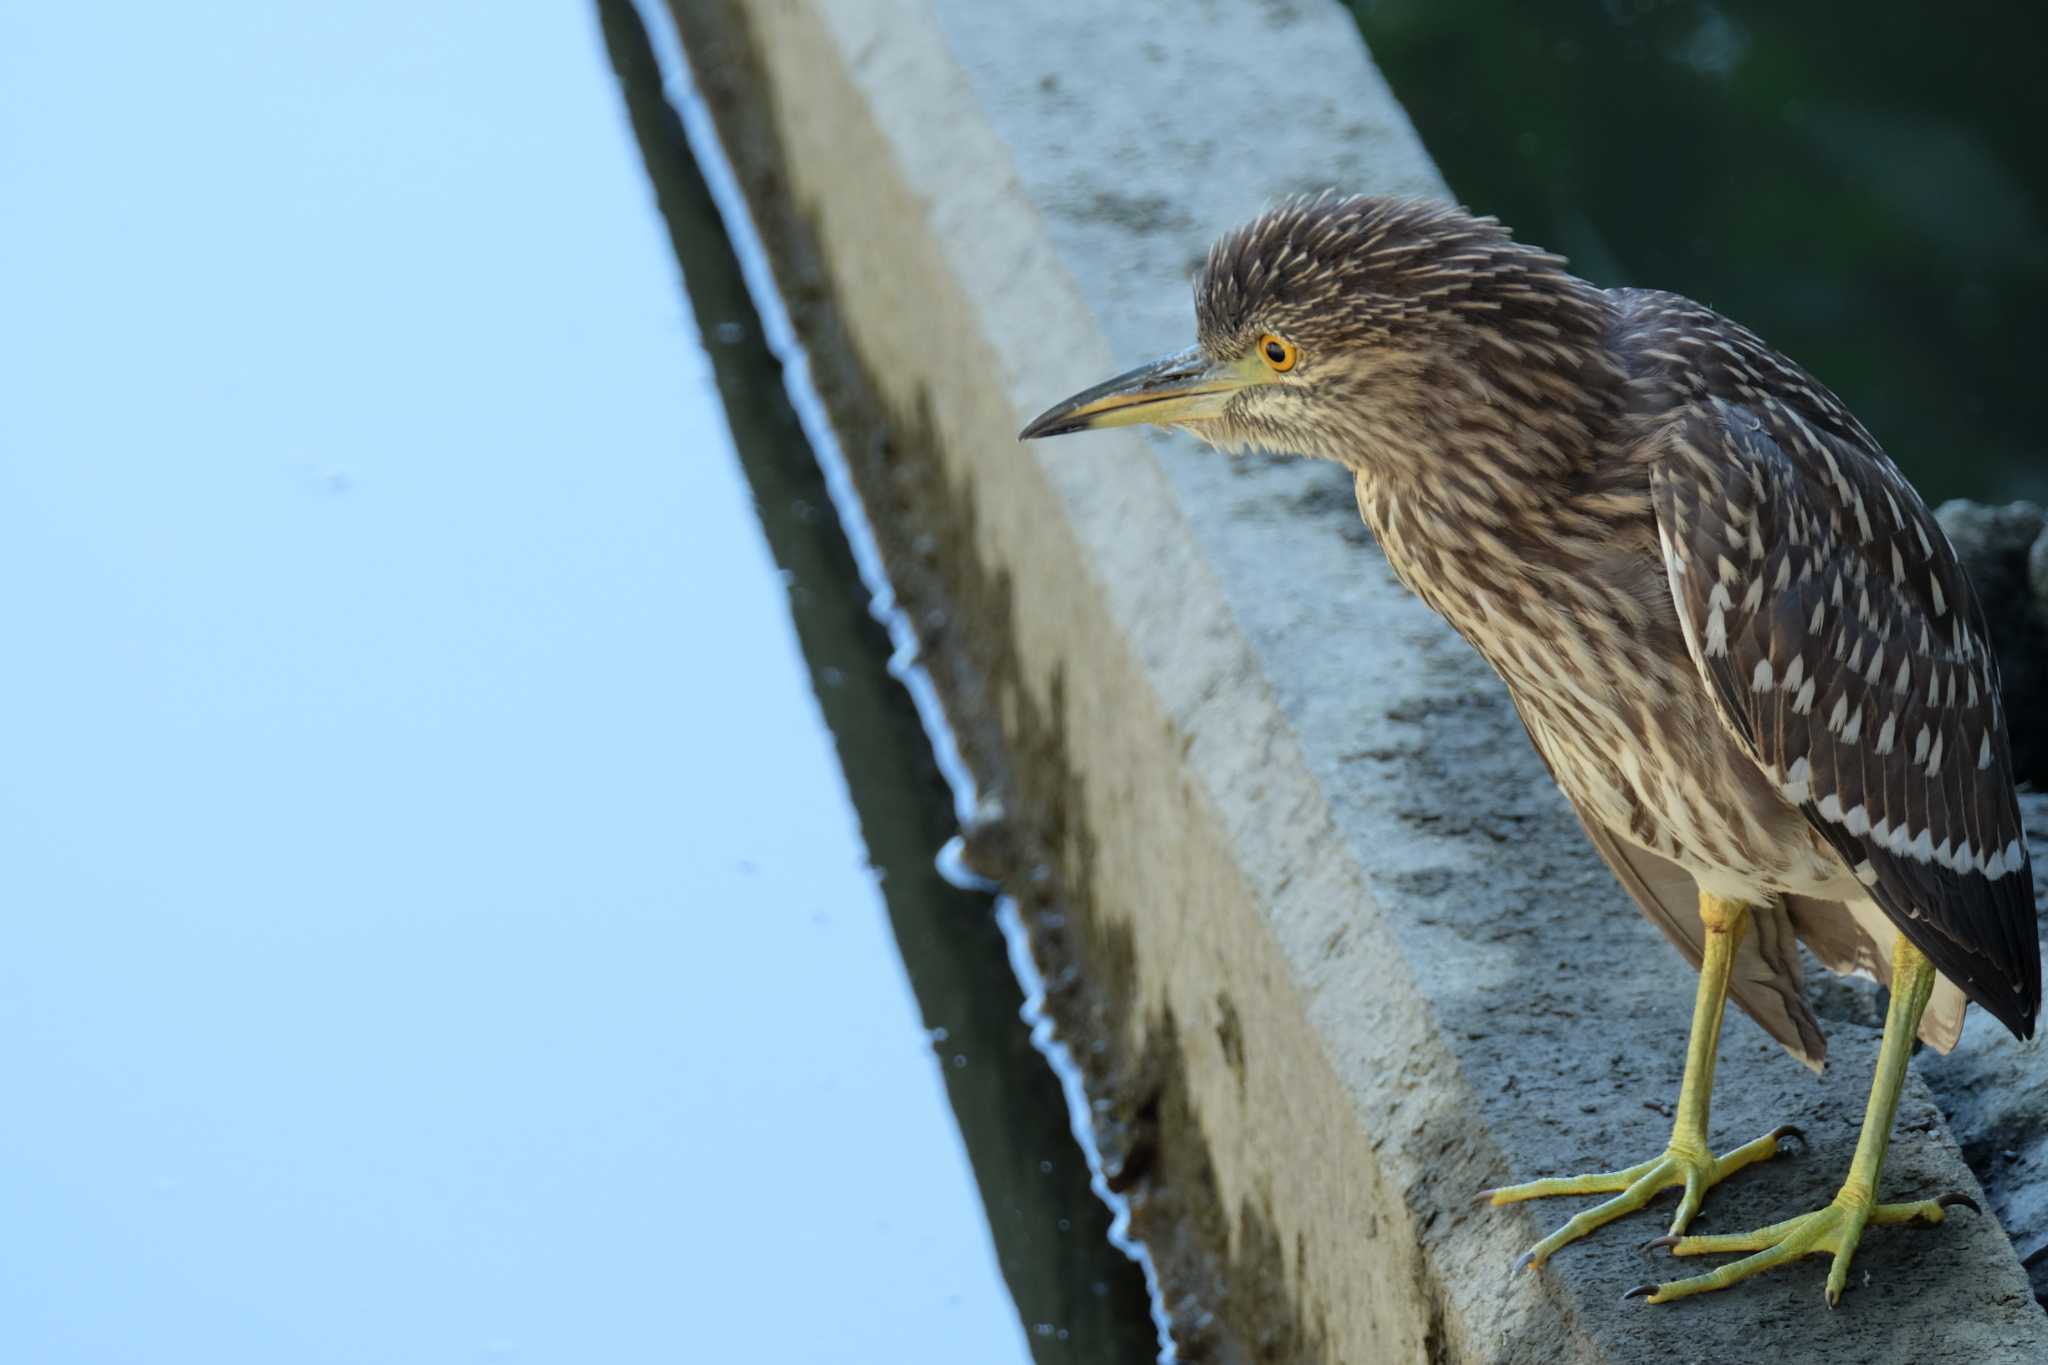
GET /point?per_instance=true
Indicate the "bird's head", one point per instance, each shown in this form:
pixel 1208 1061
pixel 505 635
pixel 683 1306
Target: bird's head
pixel 1363 330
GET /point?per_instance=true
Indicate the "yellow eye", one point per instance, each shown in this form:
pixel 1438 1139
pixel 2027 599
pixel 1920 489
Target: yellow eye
pixel 1278 353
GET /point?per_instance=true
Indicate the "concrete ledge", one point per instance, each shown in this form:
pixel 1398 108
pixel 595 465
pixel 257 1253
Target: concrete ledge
pixel 1348 955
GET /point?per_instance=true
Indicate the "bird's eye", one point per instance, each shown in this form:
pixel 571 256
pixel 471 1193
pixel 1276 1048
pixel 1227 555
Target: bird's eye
pixel 1278 352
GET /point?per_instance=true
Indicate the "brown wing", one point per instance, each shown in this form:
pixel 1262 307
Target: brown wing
pixel 1827 610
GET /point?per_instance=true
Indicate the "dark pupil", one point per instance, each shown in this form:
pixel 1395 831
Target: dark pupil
pixel 1275 352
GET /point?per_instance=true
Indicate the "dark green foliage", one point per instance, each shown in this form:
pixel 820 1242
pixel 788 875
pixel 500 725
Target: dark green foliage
pixel 1863 185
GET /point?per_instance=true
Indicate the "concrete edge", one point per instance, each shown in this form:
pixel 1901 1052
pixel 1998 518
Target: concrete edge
pixel 1142 746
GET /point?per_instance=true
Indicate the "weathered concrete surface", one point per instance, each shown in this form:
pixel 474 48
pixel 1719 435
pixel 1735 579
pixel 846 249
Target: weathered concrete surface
pixel 1305 839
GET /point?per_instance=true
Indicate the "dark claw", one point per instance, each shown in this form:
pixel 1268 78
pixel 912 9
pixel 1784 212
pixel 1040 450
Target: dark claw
pixel 1522 1262
pixel 1665 1241
pixel 1954 1198
pixel 1790 1130
pixel 1641 1291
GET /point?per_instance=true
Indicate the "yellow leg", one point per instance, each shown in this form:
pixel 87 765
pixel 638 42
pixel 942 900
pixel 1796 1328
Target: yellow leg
pixel 1687 1163
pixel 1837 1228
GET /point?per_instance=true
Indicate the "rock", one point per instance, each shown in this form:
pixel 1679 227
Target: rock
pixel 2037 573
pixel 2002 550
pixel 1978 531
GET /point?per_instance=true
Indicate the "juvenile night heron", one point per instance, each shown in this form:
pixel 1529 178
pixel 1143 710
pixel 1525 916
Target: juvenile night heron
pixel 1731 628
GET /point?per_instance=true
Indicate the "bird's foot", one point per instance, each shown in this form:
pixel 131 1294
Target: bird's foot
pixel 1685 1165
pixel 1834 1230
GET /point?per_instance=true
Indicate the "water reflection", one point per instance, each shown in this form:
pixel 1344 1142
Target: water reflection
pixel 436 925
pixel 1865 188
pixel 1080 1299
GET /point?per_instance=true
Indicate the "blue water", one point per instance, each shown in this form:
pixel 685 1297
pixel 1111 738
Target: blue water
pixel 433 926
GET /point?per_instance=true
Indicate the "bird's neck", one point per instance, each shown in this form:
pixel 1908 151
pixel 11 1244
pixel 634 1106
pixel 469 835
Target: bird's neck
pixel 1502 474
pixel 1523 492
pixel 1515 417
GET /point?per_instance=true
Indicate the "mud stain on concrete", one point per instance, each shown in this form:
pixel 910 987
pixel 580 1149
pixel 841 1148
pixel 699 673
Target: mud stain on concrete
pixel 1227 1306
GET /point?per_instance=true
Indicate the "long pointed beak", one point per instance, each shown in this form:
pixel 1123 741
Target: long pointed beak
pixel 1188 387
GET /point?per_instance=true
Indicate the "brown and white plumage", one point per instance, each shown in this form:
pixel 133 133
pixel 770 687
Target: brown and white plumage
pixel 1843 644
pixel 1733 631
